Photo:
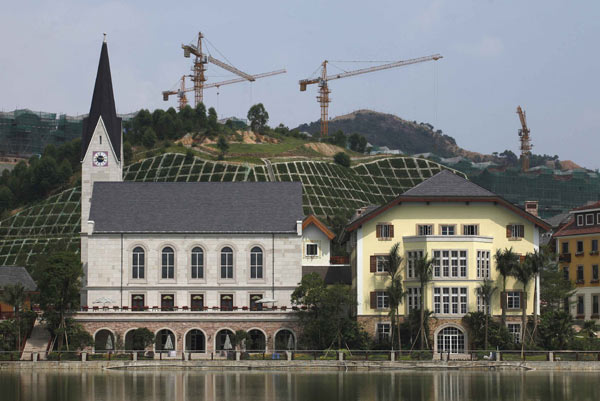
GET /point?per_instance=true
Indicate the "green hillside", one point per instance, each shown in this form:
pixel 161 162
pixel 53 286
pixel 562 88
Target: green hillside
pixel 329 190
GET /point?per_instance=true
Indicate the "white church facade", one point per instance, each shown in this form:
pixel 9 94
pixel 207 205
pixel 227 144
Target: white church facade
pixel 192 262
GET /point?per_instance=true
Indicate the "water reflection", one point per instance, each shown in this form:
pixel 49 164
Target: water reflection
pixel 178 385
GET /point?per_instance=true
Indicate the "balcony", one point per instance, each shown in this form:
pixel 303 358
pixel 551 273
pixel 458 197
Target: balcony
pixel 339 260
pixel 564 257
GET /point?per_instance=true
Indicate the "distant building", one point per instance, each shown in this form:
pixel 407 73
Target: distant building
pixel 579 258
pixel 15 275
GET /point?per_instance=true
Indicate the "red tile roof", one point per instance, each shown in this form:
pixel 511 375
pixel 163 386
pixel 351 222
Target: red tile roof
pixel 570 228
pixel 595 205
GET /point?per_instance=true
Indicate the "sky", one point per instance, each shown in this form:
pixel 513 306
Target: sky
pixel 497 55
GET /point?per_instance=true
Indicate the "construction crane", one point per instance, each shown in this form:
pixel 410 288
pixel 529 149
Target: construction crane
pixel 182 89
pixel 323 80
pixel 200 67
pixel 525 140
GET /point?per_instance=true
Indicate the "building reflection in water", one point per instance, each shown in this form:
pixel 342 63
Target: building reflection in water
pixel 197 385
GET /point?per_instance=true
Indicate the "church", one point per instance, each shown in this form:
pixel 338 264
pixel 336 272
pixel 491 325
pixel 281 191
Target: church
pixel 191 261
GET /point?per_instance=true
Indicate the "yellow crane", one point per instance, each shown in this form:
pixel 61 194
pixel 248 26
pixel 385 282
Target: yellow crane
pixel 323 80
pixel 182 90
pixel 525 140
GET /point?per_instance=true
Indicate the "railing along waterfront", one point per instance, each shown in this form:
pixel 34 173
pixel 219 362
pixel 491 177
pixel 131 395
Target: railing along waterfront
pixel 398 356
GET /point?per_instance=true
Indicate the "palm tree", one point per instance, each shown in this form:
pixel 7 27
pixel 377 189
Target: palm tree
pixel 506 260
pixel 485 290
pixel 523 273
pixel 537 261
pixel 423 272
pixel 395 290
pixel 15 295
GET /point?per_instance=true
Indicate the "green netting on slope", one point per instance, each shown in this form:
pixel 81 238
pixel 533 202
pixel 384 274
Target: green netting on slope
pixel 329 189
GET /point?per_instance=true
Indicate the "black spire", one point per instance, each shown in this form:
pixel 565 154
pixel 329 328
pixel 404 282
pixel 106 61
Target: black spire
pixel 103 105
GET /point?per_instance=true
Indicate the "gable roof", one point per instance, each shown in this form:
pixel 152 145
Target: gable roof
pixel 589 206
pixel 196 207
pixel 446 186
pixel 445 183
pixel 312 219
pixel 11 275
pixel 103 105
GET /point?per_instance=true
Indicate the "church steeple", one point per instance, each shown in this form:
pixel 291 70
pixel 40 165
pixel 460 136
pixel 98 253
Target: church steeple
pixel 103 105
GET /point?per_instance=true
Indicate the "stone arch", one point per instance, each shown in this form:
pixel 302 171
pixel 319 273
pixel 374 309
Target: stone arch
pixel 452 338
pixel 165 340
pixel 128 339
pixel 256 340
pixel 104 340
pixel 282 339
pixel 219 340
pixel 194 340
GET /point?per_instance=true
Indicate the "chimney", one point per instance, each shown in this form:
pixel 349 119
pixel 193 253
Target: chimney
pixel 360 210
pixel 532 207
pixel 299 227
pixel 91 225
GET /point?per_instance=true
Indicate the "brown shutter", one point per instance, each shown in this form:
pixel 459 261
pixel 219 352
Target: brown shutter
pixel 503 300
pixel 508 231
pixel 391 231
pixel 522 230
pixel 373 263
pixel 521 258
pixel 373 300
pixel 378 230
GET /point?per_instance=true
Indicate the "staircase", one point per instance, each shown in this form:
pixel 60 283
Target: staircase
pixel 37 342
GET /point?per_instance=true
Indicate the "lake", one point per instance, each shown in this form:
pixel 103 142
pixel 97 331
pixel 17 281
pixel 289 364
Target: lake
pixel 187 385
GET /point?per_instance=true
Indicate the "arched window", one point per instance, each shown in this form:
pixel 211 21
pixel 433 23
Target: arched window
pixel 168 263
pixel 451 340
pixel 197 263
pixel 256 263
pixel 227 262
pixel 138 263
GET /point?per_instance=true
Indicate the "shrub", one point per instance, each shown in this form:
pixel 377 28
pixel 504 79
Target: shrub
pixel 342 159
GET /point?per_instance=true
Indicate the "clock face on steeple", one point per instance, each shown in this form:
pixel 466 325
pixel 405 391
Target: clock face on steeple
pixel 100 159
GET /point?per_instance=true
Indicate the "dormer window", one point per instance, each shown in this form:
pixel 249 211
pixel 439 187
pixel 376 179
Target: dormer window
pixel 589 219
pixel 579 220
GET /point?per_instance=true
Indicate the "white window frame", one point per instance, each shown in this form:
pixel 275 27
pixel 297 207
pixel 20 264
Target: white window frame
pixel 170 265
pixel 587 219
pixel 513 298
pixel 413 298
pixel 228 266
pixel 450 263
pixel 385 230
pixel 424 229
pixel 450 300
pixel 447 229
pixel 467 227
pixel 515 330
pixel 483 264
pixel 135 264
pixel 482 305
pixel 197 263
pixel 382 300
pixel 580 220
pixel 515 231
pixel 381 263
pixel 411 260
pixel 311 244
pixel 255 267
pixel 383 331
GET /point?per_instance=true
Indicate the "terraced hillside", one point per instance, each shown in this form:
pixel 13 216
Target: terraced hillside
pixel 329 189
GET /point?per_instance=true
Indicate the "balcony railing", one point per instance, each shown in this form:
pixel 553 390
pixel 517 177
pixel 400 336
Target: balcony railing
pixel 339 260
pixel 564 257
pixel 187 309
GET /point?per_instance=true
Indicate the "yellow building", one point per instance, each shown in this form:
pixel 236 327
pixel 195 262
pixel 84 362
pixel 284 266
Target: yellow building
pixel 458 224
pixel 577 247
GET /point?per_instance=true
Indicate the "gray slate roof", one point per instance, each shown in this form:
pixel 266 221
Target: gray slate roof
pixel 446 183
pixel 11 275
pixel 196 207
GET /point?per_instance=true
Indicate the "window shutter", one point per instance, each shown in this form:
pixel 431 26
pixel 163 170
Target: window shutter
pixel 373 263
pixel 391 231
pixel 508 231
pixel 521 230
pixel 373 300
pixel 503 299
pixel 521 258
pixel 378 231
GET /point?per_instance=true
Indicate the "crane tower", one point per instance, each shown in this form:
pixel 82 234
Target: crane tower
pixel 525 140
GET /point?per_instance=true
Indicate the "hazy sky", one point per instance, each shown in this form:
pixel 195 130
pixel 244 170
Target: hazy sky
pixel 542 55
